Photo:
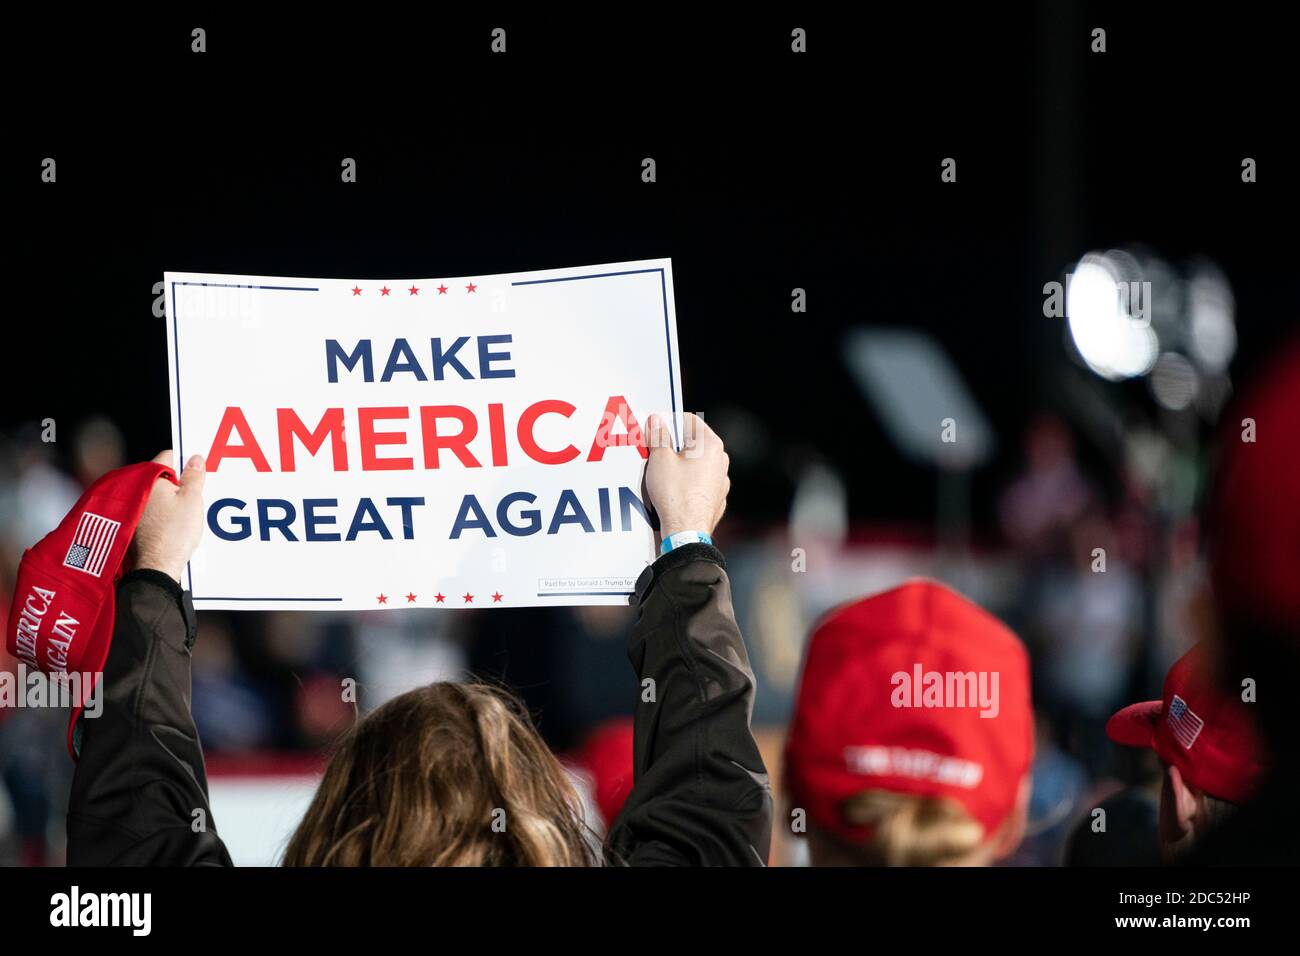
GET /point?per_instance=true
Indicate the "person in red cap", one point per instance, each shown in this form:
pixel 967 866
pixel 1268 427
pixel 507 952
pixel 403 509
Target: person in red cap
pixel 913 733
pixel 1208 745
pixel 1253 520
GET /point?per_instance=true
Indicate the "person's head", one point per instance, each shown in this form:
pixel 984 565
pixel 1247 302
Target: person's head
pixel 913 733
pixel 1253 527
pixel 1209 748
pixel 451 774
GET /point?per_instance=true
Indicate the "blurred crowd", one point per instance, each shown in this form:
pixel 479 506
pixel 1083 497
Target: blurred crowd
pixel 1091 570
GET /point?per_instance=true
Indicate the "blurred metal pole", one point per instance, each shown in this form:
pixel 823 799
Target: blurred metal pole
pixel 952 511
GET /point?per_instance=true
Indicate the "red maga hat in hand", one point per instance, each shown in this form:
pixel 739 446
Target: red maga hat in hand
pixel 61 619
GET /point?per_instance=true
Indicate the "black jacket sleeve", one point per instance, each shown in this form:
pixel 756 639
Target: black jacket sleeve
pixel 701 795
pixel 140 791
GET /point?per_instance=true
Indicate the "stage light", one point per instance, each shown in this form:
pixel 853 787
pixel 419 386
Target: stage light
pixel 1100 305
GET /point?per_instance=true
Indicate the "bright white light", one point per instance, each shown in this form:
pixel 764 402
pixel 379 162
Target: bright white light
pixel 1113 343
pixel 1213 329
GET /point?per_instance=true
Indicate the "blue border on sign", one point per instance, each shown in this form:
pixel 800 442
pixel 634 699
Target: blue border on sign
pixel 585 593
pixel 180 434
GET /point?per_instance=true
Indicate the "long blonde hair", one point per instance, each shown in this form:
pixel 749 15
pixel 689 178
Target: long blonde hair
pixel 451 774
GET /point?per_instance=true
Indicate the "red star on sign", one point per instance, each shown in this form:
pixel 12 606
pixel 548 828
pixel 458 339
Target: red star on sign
pixel 439 597
pixel 410 598
pixel 496 598
pixel 469 598
pixel 356 290
pixel 384 291
pixel 471 287
pixel 442 290
pixel 414 291
pixel 383 599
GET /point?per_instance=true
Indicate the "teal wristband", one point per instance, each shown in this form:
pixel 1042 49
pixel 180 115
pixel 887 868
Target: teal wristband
pixel 684 537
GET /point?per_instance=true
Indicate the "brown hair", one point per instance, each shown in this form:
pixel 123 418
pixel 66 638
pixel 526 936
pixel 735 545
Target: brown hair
pixel 451 774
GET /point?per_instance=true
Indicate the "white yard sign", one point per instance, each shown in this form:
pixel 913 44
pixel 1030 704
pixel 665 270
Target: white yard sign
pixel 452 442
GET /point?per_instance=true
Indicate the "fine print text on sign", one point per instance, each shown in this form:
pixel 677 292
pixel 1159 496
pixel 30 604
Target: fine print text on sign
pixel 455 442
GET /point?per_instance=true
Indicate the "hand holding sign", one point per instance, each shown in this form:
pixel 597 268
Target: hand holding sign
pixel 688 488
pixel 172 523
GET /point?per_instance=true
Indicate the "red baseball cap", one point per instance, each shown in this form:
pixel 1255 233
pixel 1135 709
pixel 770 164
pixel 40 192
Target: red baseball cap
pixel 1211 737
pixel 61 619
pixel 919 691
pixel 1255 507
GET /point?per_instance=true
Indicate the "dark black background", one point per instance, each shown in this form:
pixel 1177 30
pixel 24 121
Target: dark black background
pixel 478 909
pixel 774 171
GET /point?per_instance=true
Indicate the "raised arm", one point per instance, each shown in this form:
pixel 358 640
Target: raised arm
pixel 140 792
pixel 701 795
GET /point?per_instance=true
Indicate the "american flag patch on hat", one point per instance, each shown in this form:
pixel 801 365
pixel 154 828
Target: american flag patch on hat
pixel 1184 722
pixel 92 543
